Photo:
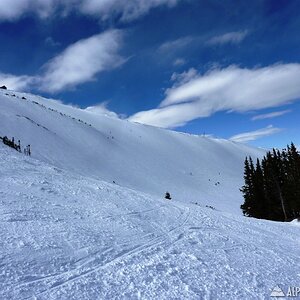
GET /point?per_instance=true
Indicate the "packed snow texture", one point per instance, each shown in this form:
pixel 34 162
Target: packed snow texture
pixel 64 236
pixel 68 232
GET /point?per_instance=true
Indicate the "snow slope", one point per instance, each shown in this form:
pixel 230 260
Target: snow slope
pixel 152 160
pixel 66 236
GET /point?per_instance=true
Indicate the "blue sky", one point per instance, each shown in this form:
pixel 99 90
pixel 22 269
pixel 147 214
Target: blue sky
pixel 230 69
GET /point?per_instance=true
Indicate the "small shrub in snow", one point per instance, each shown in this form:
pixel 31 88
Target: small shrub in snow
pixel 168 196
pixel 211 207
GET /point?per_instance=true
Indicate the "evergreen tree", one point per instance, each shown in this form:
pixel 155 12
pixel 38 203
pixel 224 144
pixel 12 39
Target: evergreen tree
pixel 293 180
pixel 260 202
pixel 272 188
pixel 247 189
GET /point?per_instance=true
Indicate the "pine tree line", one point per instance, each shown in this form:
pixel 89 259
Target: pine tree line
pixel 272 186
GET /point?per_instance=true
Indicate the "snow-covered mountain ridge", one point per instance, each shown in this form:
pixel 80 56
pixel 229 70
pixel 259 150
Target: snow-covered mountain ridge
pixel 144 158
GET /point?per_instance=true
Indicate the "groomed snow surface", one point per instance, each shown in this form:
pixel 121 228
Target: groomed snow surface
pixel 69 234
pixel 64 236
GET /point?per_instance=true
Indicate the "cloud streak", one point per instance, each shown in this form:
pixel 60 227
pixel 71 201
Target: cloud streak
pixel 103 9
pixel 17 83
pixel 77 64
pixel 271 115
pixel 101 109
pixel 129 10
pixel 179 62
pixel 15 9
pixel 81 61
pixel 175 44
pixel 228 38
pixel 254 135
pixel 236 89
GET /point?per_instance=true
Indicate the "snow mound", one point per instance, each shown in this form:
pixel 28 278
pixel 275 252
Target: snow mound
pixel 296 222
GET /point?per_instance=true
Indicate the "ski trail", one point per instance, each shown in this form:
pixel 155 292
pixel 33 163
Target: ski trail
pixel 165 239
pixel 65 236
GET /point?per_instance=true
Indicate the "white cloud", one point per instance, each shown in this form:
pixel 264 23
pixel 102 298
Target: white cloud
pixel 104 9
pixel 179 62
pixel 14 9
pixel 101 109
pixel 49 41
pixel 271 115
pixel 184 77
pixel 228 38
pixel 171 116
pixel 230 89
pixel 175 44
pixel 16 83
pixel 81 61
pixel 254 135
pixel 240 89
pixel 129 10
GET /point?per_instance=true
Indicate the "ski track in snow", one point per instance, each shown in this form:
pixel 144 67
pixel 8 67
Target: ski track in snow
pixel 65 236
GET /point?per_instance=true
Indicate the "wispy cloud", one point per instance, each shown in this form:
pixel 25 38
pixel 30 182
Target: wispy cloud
pixel 49 41
pixel 254 135
pixel 231 89
pixel 179 62
pixel 167 117
pixel 77 64
pixel 271 115
pixel 129 10
pixel 81 61
pixel 184 77
pixel 17 83
pixel 101 109
pixel 104 9
pixel 175 44
pixel 228 38
pixel 14 9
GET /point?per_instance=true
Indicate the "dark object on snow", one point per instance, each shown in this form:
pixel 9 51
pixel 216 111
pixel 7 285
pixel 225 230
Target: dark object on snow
pixel 211 207
pixel 168 196
pixel 11 143
pixel 19 146
pixel 27 150
pixel 24 98
pixel 3 87
pixel 5 140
